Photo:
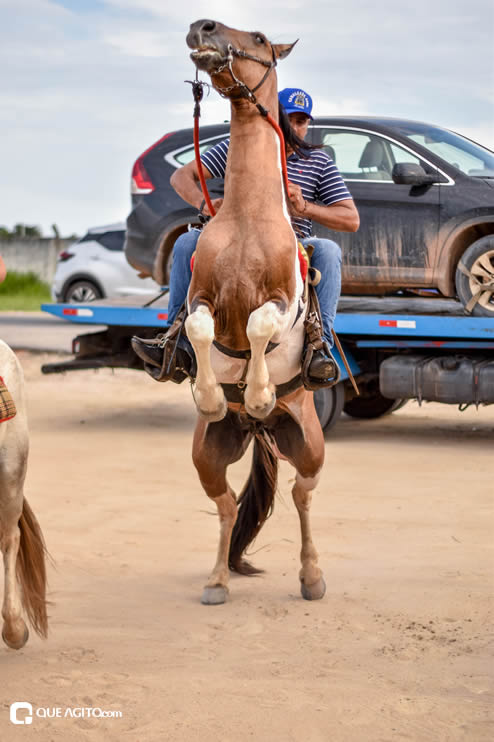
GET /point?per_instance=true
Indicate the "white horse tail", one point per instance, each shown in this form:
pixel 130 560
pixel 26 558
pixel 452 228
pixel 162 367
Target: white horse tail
pixel 31 570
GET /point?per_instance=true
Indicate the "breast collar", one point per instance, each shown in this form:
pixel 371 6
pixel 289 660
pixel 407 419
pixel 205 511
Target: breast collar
pixel 246 354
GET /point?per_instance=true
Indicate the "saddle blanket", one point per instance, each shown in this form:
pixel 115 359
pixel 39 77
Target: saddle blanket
pixel 7 404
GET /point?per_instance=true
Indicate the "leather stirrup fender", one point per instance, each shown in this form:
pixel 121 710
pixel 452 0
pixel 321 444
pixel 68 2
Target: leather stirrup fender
pixel 178 361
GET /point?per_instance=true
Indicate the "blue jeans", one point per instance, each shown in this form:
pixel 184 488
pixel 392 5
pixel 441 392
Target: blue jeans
pixel 326 258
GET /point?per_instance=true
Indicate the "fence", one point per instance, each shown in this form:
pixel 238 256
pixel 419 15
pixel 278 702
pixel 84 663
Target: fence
pixel 38 256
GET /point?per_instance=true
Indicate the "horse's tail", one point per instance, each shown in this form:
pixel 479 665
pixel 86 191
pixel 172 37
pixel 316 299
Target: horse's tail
pixel 31 570
pixel 255 504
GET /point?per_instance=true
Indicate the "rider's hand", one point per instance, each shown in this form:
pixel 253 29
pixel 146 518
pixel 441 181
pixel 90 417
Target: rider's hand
pixel 296 204
pixel 217 202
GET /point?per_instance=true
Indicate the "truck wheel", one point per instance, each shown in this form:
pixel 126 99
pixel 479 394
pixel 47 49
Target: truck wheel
pixel 372 406
pixel 329 405
pixel 475 278
pixel 81 292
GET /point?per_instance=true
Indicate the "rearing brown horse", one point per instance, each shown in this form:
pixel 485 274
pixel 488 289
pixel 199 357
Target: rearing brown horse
pixel 246 298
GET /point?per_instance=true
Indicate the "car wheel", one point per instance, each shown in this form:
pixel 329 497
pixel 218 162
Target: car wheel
pixel 475 278
pixel 372 406
pixel 81 292
pixel 329 405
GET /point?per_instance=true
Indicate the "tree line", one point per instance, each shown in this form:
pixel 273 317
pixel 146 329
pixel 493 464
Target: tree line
pixel 21 231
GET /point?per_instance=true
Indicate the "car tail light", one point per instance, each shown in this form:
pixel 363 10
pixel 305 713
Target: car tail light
pixel 64 255
pixel 140 181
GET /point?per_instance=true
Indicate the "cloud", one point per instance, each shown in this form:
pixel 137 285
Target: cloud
pixel 93 83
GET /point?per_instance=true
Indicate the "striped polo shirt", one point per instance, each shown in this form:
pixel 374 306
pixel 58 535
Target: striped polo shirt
pixel 317 176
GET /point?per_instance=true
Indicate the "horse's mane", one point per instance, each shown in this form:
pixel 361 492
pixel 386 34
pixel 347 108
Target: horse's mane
pixel 299 146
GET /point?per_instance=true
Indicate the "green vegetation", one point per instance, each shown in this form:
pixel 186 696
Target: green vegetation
pixel 19 231
pixel 23 292
pixel 27 231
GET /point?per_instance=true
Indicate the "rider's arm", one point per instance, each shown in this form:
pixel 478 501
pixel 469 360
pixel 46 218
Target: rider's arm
pixel 186 183
pixel 341 216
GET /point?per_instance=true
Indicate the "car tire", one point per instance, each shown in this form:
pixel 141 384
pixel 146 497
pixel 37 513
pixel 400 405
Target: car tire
pixel 329 405
pixel 372 406
pixel 475 275
pixel 81 292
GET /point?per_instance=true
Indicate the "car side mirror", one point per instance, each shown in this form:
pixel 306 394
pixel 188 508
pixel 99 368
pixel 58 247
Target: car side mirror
pixel 409 173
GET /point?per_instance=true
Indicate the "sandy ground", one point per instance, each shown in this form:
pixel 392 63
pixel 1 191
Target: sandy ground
pixel 400 648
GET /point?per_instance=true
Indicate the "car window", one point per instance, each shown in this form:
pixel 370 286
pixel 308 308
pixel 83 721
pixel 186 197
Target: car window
pixel 401 155
pixel 187 155
pixel 469 157
pixel 457 157
pixel 358 155
pixel 111 240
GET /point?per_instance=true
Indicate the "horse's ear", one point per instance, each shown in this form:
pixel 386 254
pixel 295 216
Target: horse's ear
pixel 283 50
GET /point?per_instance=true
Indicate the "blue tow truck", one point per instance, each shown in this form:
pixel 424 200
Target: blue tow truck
pixel 398 348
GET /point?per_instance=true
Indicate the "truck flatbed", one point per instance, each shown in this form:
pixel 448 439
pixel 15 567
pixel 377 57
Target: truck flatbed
pixel 398 348
pixel 385 317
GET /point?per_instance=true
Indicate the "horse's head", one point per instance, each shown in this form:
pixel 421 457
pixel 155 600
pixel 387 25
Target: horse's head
pixel 232 58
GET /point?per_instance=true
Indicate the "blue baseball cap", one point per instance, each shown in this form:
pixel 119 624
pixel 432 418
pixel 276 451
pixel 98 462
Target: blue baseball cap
pixel 295 100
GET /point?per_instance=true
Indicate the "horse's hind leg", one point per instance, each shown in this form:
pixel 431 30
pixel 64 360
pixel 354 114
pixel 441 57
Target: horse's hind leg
pixel 209 397
pixel 14 633
pixel 305 451
pixel 312 583
pixel 215 447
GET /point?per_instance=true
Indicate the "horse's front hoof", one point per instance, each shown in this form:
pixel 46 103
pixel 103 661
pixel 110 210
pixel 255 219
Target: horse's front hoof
pixel 261 411
pixel 215 416
pixel 315 591
pixel 214 595
pixel 16 639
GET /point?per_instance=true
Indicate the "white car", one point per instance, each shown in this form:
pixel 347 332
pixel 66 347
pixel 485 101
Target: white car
pixel 95 267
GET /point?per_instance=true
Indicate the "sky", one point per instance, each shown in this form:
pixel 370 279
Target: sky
pixel 87 85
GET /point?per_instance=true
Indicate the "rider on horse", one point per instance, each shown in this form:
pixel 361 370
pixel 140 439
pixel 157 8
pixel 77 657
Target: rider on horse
pixel 317 193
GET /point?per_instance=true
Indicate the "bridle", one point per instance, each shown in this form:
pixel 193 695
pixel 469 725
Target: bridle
pixel 245 91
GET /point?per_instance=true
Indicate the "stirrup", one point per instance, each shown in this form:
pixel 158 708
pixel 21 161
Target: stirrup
pixel 311 382
pixel 178 359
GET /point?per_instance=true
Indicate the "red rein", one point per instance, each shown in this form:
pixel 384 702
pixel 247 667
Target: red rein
pixel 202 179
pixel 277 129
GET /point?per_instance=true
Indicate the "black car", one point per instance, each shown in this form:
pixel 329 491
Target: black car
pixel 425 197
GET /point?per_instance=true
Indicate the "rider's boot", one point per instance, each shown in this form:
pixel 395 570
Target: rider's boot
pixel 319 368
pixel 169 356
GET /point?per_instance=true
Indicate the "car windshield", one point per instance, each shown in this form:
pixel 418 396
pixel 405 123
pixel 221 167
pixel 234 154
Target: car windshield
pixel 467 156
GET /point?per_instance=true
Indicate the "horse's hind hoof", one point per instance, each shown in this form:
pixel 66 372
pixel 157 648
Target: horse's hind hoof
pixel 13 643
pixel 315 591
pixel 214 595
